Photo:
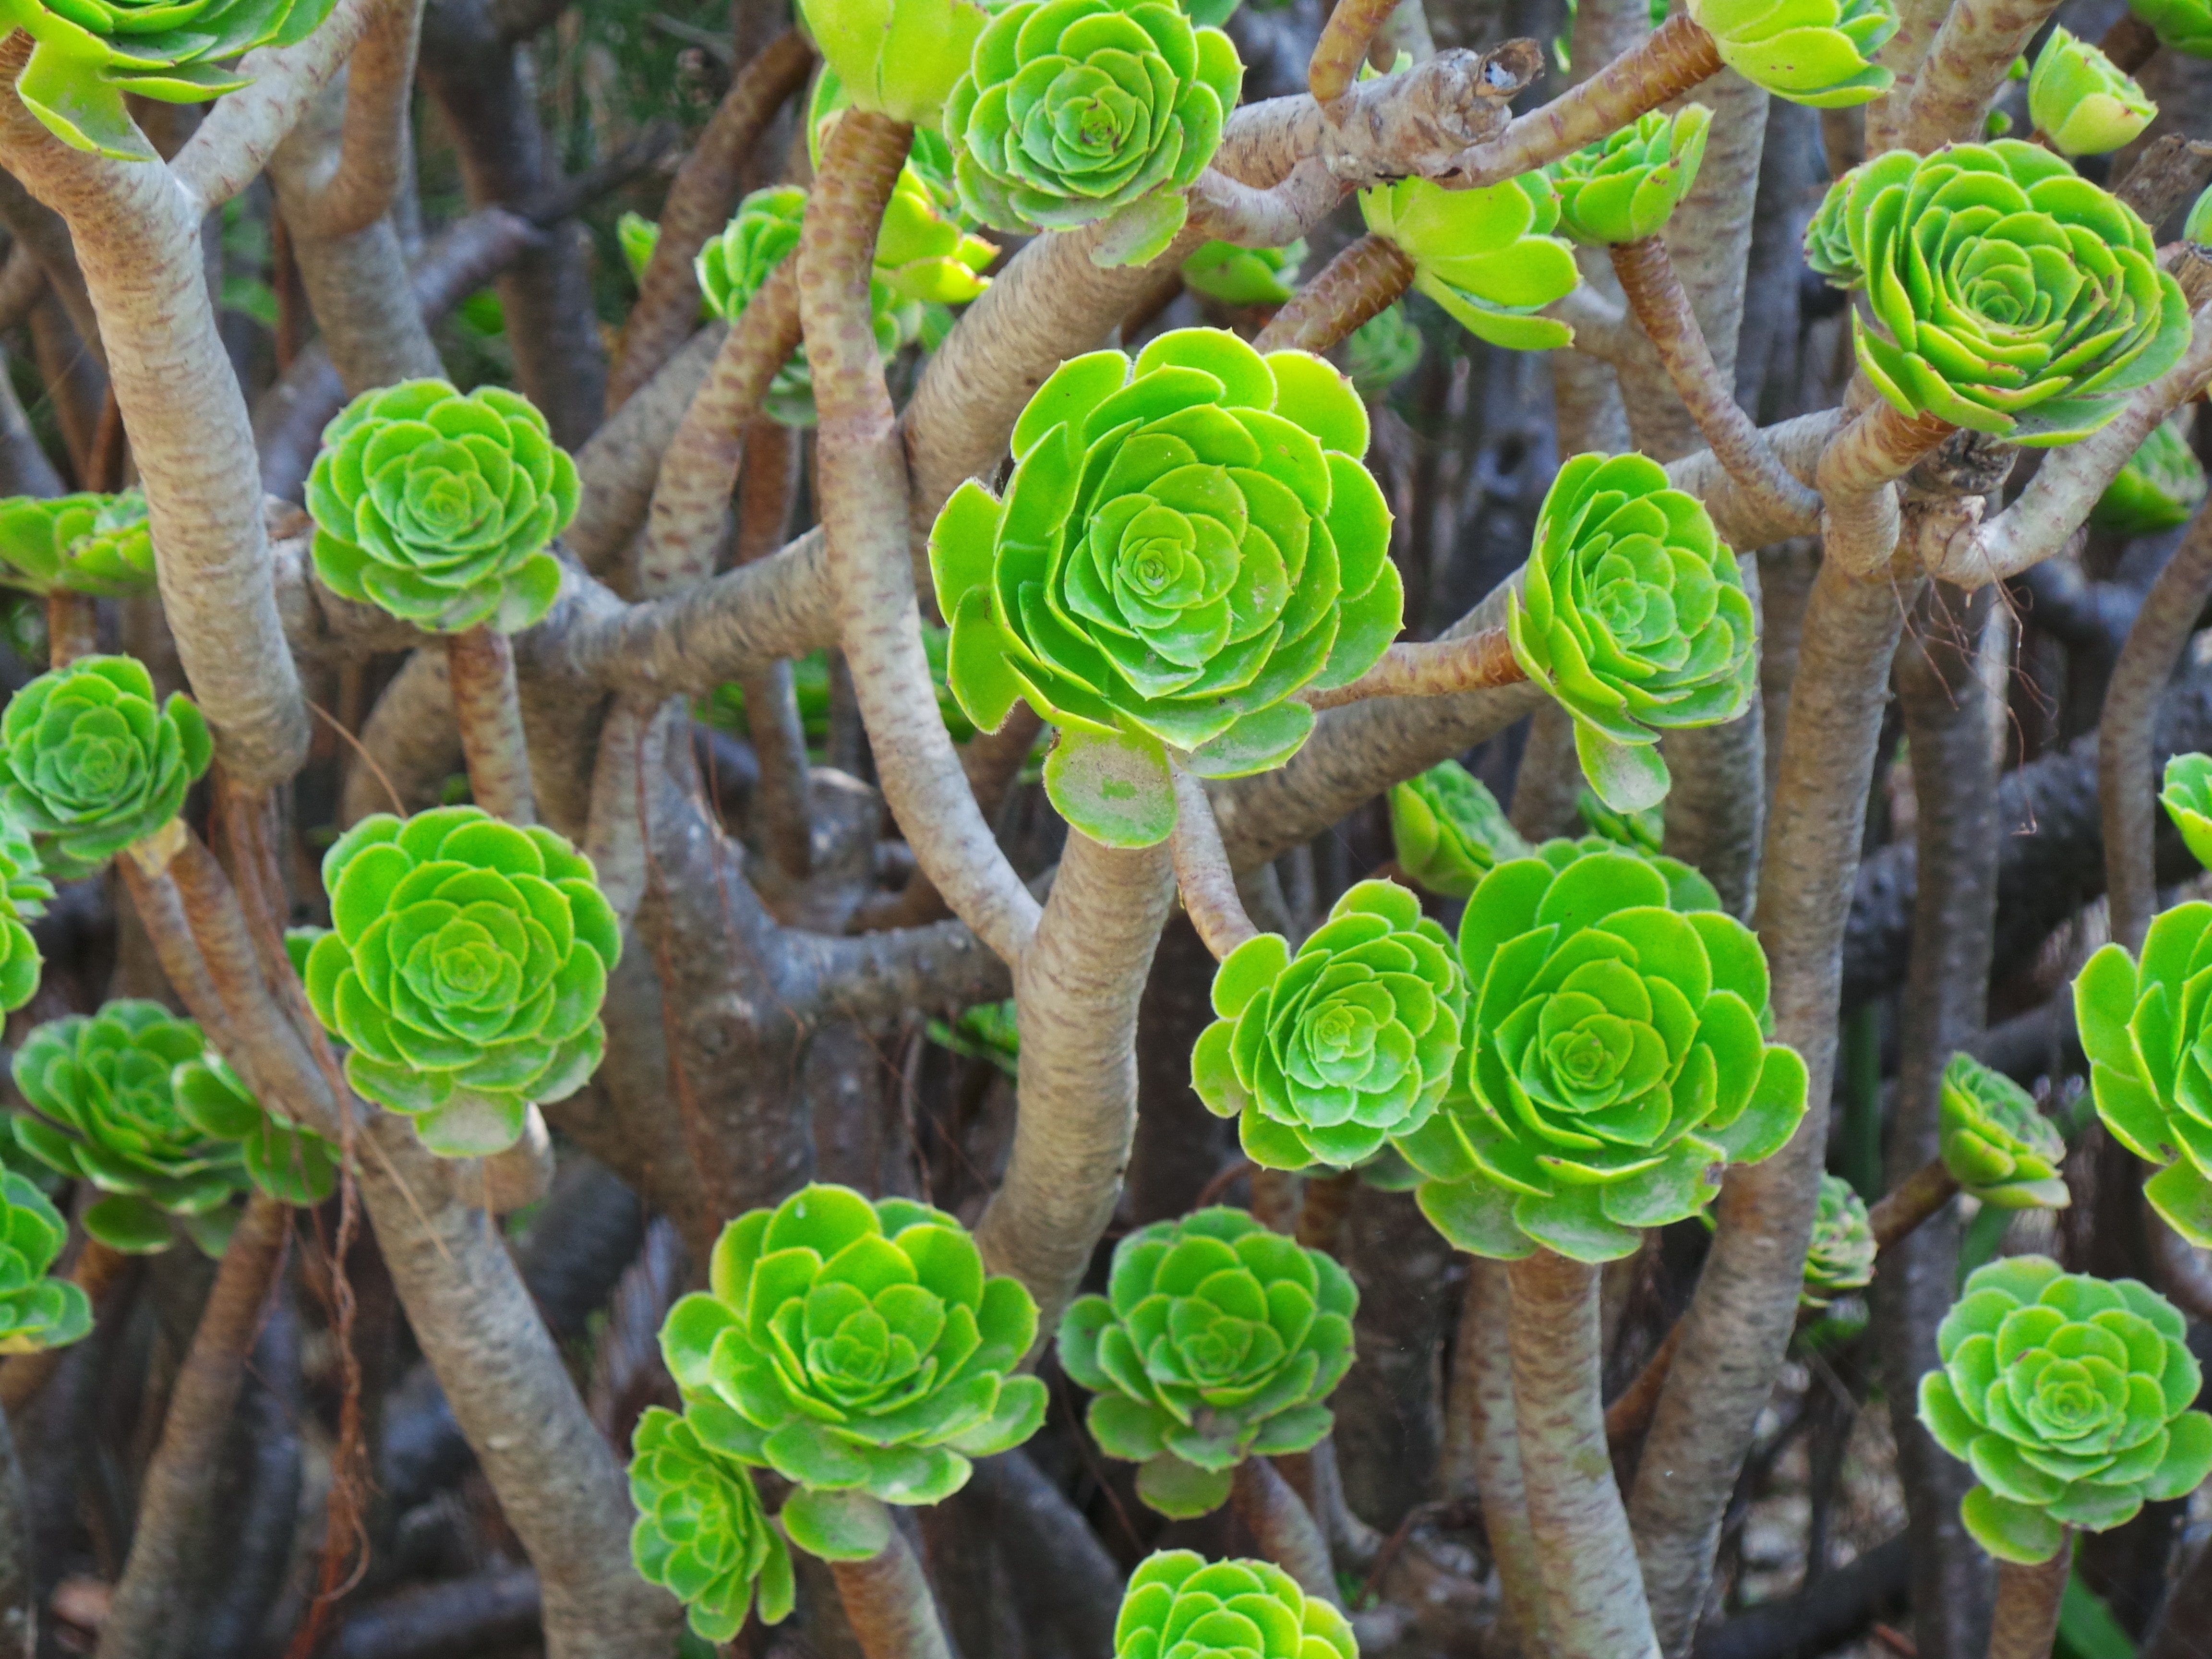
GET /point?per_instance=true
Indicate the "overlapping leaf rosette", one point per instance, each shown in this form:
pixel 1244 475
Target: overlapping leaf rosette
pixel 36 1311
pixel 104 1111
pixel 1448 830
pixel 1073 112
pixel 1324 1055
pixel 466 969
pixel 2005 293
pixel 2069 1397
pixel 1487 256
pixel 1840 1258
pixel 1382 351
pixel 1632 613
pixel 2183 25
pixel 1615 1059
pixel 1624 187
pixel 24 892
pixel 1217 1340
pixel 438 507
pixel 896 58
pixel 2081 101
pixel 1188 542
pixel 81 544
pixel 2187 797
pixel 854 1347
pixel 1243 275
pixel 1819 52
pixel 85 56
pixel 1181 1606
pixel 1995 1143
pixel 90 763
pixel 2158 488
pixel 700 1532
pixel 2144 1027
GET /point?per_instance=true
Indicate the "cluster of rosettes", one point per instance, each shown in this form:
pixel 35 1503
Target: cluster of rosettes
pixel 1188 542
pixel 1448 830
pixel 1486 255
pixel 83 544
pixel 465 968
pixel 1217 1340
pixel 438 507
pixel 1181 1606
pixel 1614 1059
pixel 36 1311
pixel 1632 613
pixel 2158 488
pixel 90 763
pixel 1995 1143
pixel 1324 1055
pixel 1624 187
pixel 856 1346
pixel 2069 1397
pixel 2005 293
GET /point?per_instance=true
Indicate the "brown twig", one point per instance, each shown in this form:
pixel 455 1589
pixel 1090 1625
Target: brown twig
pixel 1905 1207
pixel 1359 284
pixel 1342 47
pixel 1432 668
pixel 1209 889
pixel 1284 1527
pixel 480 665
pixel 1861 520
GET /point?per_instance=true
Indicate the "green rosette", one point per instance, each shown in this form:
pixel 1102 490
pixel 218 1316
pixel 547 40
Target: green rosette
pixel 1382 351
pixel 2187 797
pixel 466 969
pixel 36 1311
pixel 1324 1055
pixel 1243 275
pixel 90 763
pixel 1840 1258
pixel 1448 830
pixel 1632 613
pixel 700 1532
pixel 438 507
pixel 2004 291
pixel 1188 541
pixel 2081 101
pixel 24 892
pixel 1217 1340
pixel 1996 1145
pixel 84 543
pixel 1614 1059
pixel 292 1165
pixel 2158 488
pixel 1819 52
pixel 1073 112
pixel 1487 256
pixel 2069 1397
pixel 857 1348
pixel 1624 188
pixel 1181 1606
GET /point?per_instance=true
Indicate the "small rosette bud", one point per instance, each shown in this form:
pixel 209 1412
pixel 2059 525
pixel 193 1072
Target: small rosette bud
pixel 2081 102
pixel 1485 255
pixel 1841 1256
pixel 1449 831
pixel 1995 1143
pixel 700 1531
pixel 1624 188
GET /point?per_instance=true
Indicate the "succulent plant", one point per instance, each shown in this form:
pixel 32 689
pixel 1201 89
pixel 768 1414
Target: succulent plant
pixel 24 890
pixel 438 507
pixel 1624 188
pixel 1382 352
pixel 35 1311
pixel 1181 1606
pixel 1217 1340
pixel 1324 1055
pixel 700 1531
pixel 857 1346
pixel 2004 291
pixel 2183 25
pixel 1996 1145
pixel 986 1031
pixel 1243 275
pixel 88 763
pixel 636 236
pixel 2070 1395
pixel 2187 797
pixel 922 254
pixel 1633 614
pixel 1077 110
pixel 103 1092
pixel 85 57
pixel 2197 229
pixel 465 969
pixel 2144 1031
pixel 1485 255
pixel 1187 542
pixel 1841 1256
pixel 291 1163
pixel 896 58
pixel 1614 1059
pixel 2081 101
pixel 1643 831
pixel 1447 829
pixel 83 544
pixel 1810 52
pixel 2158 488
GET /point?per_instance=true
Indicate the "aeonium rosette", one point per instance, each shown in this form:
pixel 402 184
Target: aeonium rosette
pixel 1485 255
pixel 36 1310
pixel 1994 1142
pixel 1181 1606
pixel 2182 25
pixel 1840 1257
pixel 2186 794
pixel 1188 542
pixel 24 893
pixel 83 544
pixel 1625 187
pixel 2081 101
pixel 1819 52
pixel 1615 1059
pixel 700 1531
pixel 1448 830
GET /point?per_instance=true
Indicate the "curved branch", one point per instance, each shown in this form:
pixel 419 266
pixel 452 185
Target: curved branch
pixel 617 467
pixel 362 175
pixel 1362 282
pixel 1202 872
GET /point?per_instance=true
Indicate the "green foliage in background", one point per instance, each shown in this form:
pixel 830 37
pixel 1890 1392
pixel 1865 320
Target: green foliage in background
pixel 2159 486
pixel 35 1311
pixel 1447 831
pixel 81 544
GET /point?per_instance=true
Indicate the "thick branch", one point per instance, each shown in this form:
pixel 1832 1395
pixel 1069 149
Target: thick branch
pixel 363 172
pixel 1360 284
pixel 1966 67
pixel 1284 1527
